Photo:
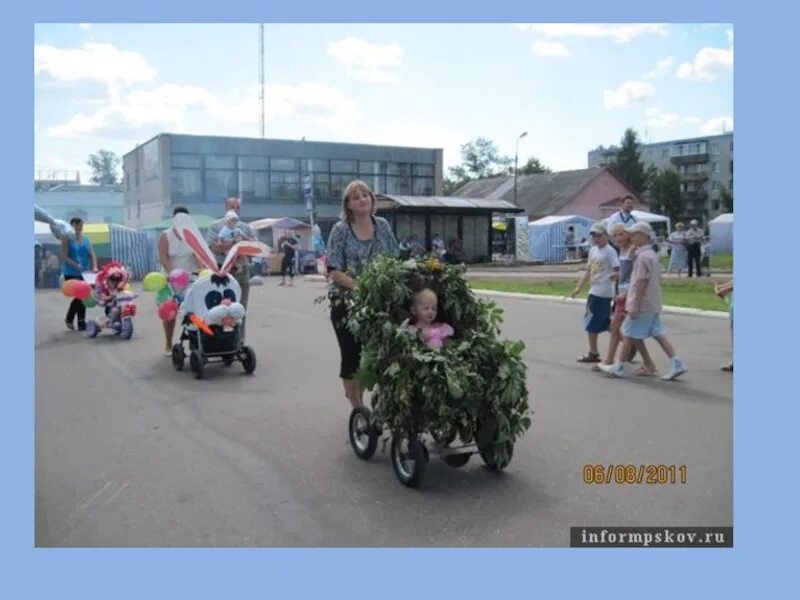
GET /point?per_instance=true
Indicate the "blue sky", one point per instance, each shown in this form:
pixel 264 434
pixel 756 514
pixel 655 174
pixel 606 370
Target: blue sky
pixel 571 87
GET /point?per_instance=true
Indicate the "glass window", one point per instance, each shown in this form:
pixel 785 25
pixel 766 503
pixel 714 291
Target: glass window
pixel 369 167
pixel 283 164
pixel 423 186
pixel 402 226
pixel 220 185
pixel 427 170
pixel 665 153
pixel 186 184
pixel 398 185
pixel 398 169
pixel 220 161
pixel 284 186
pixel 188 161
pixel 418 228
pixel 714 185
pixel 254 163
pixel 316 165
pixel 376 182
pixel 338 183
pixel 343 166
pixel 322 191
pixel 714 148
pixel 254 186
pixel 137 177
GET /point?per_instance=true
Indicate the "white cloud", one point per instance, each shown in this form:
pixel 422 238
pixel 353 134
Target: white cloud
pixel 85 26
pixel 729 33
pixel 623 32
pixel 369 62
pixel 708 65
pixel 551 49
pixel 628 93
pixel 93 62
pixel 718 125
pixel 661 120
pixel 662 67
pixel 691 120
pixel 169 107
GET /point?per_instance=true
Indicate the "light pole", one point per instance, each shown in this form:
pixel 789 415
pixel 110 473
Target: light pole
pixel 516 160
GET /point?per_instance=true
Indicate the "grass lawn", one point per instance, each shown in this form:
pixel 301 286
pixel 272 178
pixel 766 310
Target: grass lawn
pixel 719 262
pixel 689 294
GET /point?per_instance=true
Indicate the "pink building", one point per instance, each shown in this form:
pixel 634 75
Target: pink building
pixel 594 193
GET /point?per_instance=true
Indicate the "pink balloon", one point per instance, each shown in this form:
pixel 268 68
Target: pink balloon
pixel 168 310
pixel 81 290
pixel 179 279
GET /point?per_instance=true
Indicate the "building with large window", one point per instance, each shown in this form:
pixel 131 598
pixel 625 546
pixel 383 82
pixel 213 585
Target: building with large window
pixel 272 177
pixel 705 165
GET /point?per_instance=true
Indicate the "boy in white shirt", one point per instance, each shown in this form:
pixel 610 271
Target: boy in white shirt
pixel 603 269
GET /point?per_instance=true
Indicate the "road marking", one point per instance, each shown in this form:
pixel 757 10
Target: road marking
pixel 117 493
pixel 93 498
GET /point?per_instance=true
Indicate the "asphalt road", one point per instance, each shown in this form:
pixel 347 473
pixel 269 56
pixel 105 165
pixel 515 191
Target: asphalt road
pixel 130 452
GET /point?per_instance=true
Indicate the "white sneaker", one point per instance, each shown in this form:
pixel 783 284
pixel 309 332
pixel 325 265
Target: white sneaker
pixel 676 369
pixel 617 370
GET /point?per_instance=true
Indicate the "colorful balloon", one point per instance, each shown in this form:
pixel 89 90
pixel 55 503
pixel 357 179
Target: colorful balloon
pixel 81 290
pixel 90 302
pixel 163 295
pixel 168 311
pixel 205 273
pixel 68 288
pixel 153 282
pixel 179 279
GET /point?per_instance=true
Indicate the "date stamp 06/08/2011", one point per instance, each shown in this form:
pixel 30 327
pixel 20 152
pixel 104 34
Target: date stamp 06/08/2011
pixel 631 474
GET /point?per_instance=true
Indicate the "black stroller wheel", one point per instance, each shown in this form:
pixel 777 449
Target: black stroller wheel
pixel 178 357
pixel 409 459
pixel 197 364
pixel 363 434
pixel 248 359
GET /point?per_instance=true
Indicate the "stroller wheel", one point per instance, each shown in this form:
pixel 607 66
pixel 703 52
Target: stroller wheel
pixel 178 357
pixel 126 328
pixel 196 364
pixel 248 359
pixel 91 328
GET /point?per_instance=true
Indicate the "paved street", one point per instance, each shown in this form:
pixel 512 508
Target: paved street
pixel 130 452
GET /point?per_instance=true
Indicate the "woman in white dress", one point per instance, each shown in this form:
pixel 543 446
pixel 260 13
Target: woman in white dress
pixel 175 253
pixel 679 254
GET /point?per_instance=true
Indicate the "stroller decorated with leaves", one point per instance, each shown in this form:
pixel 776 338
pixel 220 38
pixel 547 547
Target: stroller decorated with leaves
pixel 469 397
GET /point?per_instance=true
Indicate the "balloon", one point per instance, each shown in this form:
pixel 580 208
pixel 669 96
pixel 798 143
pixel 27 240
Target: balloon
pixel 81 290
pixel 179 279
pixel 154 281
pixel 68 288
pixel 168 310
pixel 205 273
pixel 90 302
pixel 163 295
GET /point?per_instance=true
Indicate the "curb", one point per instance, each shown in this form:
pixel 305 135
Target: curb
pixel 675 310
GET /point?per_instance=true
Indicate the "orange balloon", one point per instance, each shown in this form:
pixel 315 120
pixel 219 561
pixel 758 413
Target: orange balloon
pixel 68 289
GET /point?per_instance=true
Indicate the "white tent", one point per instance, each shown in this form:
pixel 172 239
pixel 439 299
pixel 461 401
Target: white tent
pixel 547 236
pixel 721 234
pixel 648 217
pixel 42 233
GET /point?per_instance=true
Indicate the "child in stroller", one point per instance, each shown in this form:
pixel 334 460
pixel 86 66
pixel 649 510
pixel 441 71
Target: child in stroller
pixel 110 292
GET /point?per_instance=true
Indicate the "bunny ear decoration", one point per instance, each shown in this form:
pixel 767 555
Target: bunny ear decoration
pixel 245 248
pixel 188 230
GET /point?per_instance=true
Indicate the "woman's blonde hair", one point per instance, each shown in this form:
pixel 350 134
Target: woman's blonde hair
pixel 679 224
pixel 346 214
pixel 619 227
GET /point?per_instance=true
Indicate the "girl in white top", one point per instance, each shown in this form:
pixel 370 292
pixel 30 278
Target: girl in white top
pixel 174 253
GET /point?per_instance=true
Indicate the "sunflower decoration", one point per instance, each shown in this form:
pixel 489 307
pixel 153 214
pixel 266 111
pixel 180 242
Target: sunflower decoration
pixel 433 264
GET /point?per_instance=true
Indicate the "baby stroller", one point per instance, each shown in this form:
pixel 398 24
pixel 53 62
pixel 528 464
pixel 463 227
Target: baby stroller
pixel 210 314
pixel 110 292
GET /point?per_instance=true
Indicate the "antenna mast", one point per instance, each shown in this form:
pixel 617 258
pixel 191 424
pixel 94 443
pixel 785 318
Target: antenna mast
pixel 261 73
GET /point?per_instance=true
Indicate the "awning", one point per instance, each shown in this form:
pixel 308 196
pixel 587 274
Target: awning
pixel 279 223
pixel 449 204
pixel 202 222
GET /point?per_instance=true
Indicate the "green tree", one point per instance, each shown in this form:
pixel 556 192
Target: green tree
pixel 726 199
pixel 480 159
pixel 628 163
pixel 666 195
pixel 533 166
pixel 104 165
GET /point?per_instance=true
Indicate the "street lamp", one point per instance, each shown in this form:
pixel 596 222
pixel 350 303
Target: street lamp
pixel 516 160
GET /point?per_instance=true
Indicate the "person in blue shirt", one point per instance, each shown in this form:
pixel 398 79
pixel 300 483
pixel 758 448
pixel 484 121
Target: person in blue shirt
pixel 77 256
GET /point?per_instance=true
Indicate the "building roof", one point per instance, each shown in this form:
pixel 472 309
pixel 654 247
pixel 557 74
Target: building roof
pixel 539 194
pixel 455 203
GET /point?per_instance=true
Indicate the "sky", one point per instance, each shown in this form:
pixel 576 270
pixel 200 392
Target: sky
pixel 571 87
